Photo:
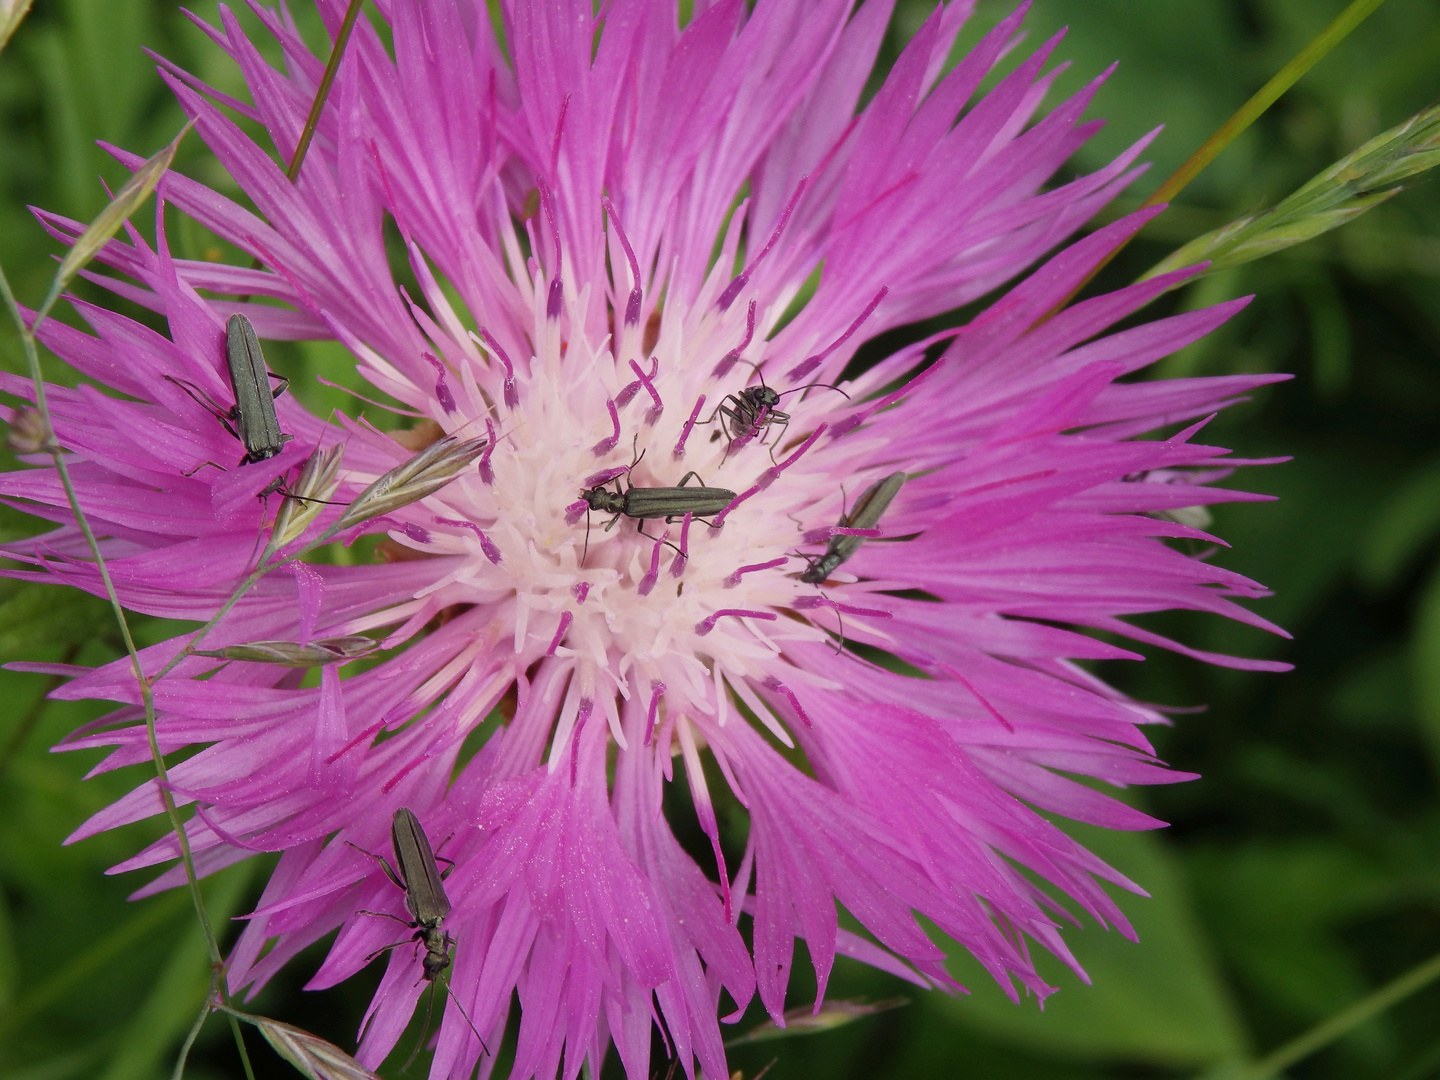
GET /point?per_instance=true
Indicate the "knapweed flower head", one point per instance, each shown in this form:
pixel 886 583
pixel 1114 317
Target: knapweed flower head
pixel 642 258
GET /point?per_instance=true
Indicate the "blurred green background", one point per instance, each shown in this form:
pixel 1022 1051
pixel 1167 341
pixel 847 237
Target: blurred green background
pixel 1302 871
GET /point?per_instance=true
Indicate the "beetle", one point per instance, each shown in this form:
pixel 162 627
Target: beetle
pixel 417 874
pixel 750 413
pixel 252 419
pixel 658 502
pixel 865 515
pixel 653 502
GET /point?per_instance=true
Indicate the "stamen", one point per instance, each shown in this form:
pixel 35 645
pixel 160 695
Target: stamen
pixel 734 579
pixel 486 544
pixel 819 536
pixel 487 474
pixel 408 768
pixel 555 302
pixel 559 130
pixel 870 408
pixel 630 389
pixel 706 625
pixel 654 413
pixel 581 589
pixel 678 566
pixel 595 480
pixel 415 532
pixel 733 503
pixel 770 475
pixel 723 368
pixel 848 609
pixel 632 307
pixel 994 712
pixel 442 391
pixel 775 684
pixel 512 392
pixel 575 511
pixel 800 370
pixel 565 620
pixel 655 693
pixel 604 446
pixel 685 431
pixel 733 289
pixel 648 581
pixel 365 736
pixel 585 706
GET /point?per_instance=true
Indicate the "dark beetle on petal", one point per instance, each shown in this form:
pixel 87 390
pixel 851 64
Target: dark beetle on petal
pixel 865 515
pixel 252 418
pixel 418 876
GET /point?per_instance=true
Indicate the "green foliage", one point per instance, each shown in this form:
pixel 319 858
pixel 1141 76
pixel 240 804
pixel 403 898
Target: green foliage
pixel 1303 870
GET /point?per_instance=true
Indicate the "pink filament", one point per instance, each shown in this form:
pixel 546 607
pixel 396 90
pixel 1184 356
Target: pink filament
pixel 722 368
pixel 604 446
pixel 733 289
pixel 487 474
pixel 486 544
pixel 565 620
pixel 648 581
pixel 734 579
pixel 685 431
pixel 632 307
pixel 800 370
pixel 512 393
pixel 655 695
pixel 775 684
pixel 708 623
pixel 678 566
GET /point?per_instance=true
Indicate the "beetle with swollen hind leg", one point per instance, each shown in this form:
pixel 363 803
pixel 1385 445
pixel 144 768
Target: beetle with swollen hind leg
pixel 252 419
pixel 417 874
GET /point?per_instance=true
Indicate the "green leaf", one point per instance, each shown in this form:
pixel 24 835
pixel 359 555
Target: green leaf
pixel 1160 1001
pixel 1402 527
pixel 179 991
pixel 1278 910
pixel 1425 662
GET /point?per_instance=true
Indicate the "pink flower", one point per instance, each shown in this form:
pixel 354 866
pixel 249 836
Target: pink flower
pixel 610 232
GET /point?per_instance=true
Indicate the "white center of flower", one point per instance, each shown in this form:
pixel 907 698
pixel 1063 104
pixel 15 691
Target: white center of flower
pixel 575 524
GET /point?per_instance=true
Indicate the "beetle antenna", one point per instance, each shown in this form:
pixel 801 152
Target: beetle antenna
pixel 424 1031
pixel 470 1023
pixel 810 386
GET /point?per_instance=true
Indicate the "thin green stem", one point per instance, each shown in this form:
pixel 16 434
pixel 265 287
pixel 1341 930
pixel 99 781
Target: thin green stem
pixel 1339 28
pixel 1323 1034
pixel 323 91
pixel 1267 95
pixel 147 697
pixel 194 1033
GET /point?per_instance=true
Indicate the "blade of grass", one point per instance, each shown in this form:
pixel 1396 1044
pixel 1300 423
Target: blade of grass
pixel 337 53
pixel 1339 29
pixel 81 967
pixel 1347 1019
pixel 322 92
